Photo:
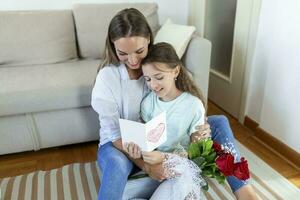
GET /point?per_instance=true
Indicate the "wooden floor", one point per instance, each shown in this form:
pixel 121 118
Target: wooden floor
pixel 46 159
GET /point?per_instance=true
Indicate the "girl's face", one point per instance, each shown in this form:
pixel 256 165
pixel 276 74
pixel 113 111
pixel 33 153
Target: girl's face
pixel 131 50
pixel 161 80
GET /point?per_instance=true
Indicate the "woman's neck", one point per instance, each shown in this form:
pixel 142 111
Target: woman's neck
pixel 134 74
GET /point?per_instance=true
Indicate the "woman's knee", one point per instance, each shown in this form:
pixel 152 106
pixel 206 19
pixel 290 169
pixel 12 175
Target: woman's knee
pixel 115 161
pixel 218 120
pixel 220 128
pixel 120 161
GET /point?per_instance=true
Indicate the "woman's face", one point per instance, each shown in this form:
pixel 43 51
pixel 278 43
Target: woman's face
pixel 131 50
pixel 161 79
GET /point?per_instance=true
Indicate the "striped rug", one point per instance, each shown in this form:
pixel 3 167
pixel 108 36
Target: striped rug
pixel 81 181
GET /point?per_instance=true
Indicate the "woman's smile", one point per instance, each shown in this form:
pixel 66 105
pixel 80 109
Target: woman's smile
pixel 134 66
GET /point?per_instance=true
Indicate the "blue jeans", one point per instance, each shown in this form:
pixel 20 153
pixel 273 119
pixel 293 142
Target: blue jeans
pixel 222 134
pixel 116 167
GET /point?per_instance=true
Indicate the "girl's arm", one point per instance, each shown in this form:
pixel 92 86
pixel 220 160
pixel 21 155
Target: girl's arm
pixel 134 152
pixel 154 169
pixel 153 157
pixel 200 129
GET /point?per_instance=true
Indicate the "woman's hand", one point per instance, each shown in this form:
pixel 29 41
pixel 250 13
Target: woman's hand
pixel 133 150
pixel 153 157
pixel 156 171
pixel 203 132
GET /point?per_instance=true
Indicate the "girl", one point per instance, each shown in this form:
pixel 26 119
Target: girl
pixel 174 92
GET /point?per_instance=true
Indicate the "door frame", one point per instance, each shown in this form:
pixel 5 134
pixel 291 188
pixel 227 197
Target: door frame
pixel 197 18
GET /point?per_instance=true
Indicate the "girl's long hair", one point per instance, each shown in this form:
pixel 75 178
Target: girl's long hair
pixel 126 23
pixel 164 53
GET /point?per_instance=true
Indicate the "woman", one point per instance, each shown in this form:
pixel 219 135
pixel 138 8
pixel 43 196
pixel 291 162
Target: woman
pixel 118 92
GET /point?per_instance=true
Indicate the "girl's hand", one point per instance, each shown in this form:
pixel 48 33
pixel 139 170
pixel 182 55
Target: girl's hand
pixel 203 132
pixel 156 171
pixel 153 157
pixel 133 150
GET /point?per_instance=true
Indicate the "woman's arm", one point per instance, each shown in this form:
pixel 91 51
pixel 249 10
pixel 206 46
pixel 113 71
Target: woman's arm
pixel 105 102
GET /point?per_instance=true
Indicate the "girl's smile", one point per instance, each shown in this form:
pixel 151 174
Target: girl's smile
pixel 161 80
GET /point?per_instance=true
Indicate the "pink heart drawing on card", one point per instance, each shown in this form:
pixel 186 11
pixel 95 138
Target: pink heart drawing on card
pixel 155 134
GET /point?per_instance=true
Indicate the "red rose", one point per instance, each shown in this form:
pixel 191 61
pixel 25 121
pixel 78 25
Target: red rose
pixel 217 147
pixel 225 164
pixel 241 170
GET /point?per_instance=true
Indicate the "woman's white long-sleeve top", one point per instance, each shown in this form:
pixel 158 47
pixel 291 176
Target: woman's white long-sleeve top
pixel 115 96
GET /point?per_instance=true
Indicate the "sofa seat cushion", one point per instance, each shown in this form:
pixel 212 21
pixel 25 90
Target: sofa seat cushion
pixel 36 88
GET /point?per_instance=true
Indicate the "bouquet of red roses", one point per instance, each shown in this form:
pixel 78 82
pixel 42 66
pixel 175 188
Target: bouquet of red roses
pixel 216 161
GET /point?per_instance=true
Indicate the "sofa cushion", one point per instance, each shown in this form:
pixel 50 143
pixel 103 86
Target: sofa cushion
pixel 92 20
pixel 36 37
pixel 29 89
pixel 177 35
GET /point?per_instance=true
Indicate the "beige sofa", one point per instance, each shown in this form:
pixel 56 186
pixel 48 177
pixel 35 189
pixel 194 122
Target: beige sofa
pixel 48 63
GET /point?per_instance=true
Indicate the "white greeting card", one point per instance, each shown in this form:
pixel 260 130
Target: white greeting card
pixel 147 136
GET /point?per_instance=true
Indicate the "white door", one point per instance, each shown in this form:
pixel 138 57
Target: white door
pixel 227 24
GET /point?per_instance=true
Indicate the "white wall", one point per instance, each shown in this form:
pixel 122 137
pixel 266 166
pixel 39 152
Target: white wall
pixel 274 87
pixel 177 10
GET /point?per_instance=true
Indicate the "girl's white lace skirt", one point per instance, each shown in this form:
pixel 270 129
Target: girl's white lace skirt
pixel 184 180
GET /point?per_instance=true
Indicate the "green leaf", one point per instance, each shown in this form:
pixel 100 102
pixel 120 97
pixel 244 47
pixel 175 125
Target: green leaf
pixel 207 172
pixel 214 168
pixel 193 151
pixel 220 179
pixel 199 161
pixel 207 147
pixel 211 157
pixel 201 146
pixel 203 165
pixel 217 173
pixel 210 165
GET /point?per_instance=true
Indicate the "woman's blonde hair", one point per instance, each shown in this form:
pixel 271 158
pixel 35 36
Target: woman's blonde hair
pixel 164 53
pixel 126 23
